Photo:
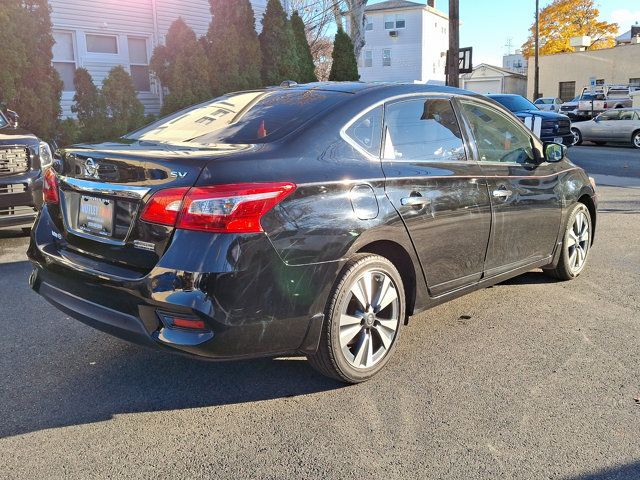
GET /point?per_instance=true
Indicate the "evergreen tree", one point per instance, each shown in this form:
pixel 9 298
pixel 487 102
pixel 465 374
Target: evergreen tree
pixel 306 67
pixel 28 82
pixel 126 112
pixel 89 107
pixel 181 66
pixel 232 47
pixel 345 66
pixel 279 55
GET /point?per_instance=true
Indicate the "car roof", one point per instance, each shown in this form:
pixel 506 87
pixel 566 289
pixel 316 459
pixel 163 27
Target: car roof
pixel 362 87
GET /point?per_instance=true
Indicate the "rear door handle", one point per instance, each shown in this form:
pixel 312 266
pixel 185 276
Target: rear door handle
pixel 502 193
pixel 415 201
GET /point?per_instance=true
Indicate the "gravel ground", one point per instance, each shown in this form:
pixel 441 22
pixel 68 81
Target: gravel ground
pixel 542 381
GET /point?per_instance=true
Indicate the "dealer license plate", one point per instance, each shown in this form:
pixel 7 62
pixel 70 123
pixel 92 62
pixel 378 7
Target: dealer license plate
pixel 95 216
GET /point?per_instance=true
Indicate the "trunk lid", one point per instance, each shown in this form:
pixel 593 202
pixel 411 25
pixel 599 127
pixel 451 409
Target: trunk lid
pixel 103 190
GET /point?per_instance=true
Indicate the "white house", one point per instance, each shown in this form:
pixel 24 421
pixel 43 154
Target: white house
pixel 516 62
pixel 489 79
pixel 98 35
pixel 404 42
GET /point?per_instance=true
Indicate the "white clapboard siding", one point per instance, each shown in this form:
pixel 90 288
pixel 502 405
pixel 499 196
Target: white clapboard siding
pixel 149 19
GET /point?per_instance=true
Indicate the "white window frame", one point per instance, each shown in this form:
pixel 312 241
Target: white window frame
pixel 394 19
pixel 400 18
pixel 368 26
pixel 74 48
pixel 133 64
pixel 385 57
pixel 367 61
pixel 101 54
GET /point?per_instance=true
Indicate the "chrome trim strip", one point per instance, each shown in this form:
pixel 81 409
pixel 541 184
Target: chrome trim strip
pixel 101 188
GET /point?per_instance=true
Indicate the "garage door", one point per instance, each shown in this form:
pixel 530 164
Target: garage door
pixel 483 86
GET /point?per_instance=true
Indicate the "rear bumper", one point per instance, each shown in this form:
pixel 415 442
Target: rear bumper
pixel 20 198
pixel 258 307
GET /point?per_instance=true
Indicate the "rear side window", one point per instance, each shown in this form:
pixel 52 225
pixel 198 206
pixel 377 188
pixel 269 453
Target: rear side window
pixel 498 138
pixel 422 130
pixel 366 131
pixel 247 117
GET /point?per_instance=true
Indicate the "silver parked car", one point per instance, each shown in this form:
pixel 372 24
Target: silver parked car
pixel 620 125
pixel 550 104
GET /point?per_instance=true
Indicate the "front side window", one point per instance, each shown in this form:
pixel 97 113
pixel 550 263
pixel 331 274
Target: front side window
pixel 64 59
pixel 498 138
pixel 610 115
pixel 102 44
pixel 628 115
pixel 366 131
pixel 423 130
pixel 386 57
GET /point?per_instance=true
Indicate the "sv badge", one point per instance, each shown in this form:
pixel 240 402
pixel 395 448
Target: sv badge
pixel 175 174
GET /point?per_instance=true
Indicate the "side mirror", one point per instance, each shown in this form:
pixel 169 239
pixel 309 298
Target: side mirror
pixel 554 152
pixel 13 118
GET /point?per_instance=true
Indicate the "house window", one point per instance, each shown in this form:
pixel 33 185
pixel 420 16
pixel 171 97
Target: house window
pixel 392 22
pixel 64 59
pixel 566 90
pixel 386 57
pixel 634 82
pixel 102 44
pixel 368 58
pixel 369 24
pixel 139 64
pixel 600 81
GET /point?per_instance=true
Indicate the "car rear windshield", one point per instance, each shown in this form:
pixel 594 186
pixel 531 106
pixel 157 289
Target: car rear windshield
pixel 515 103
pixel 247 117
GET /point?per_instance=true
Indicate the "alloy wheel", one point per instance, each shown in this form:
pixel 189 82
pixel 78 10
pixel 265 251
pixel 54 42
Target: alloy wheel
pixel 636 140
pixel 578 242
pixel 576 136
pixel 369 319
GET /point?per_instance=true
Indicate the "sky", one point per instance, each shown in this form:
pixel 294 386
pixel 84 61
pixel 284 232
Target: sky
pixel 487 25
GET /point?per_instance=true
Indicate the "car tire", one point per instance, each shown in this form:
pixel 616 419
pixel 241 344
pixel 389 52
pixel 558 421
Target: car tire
pixel 576 244
pixel 635 139
pixel 577 137
pixel 352 351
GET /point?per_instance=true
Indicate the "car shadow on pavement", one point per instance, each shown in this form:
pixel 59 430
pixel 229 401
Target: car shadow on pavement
pixel 621 472
pixel 58 372
pixel 535 277
pixel 13 233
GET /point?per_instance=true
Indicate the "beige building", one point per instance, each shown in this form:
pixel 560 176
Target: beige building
pixel 490 79
pixel 564 75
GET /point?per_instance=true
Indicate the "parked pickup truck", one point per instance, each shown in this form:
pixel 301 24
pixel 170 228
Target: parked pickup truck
pixel 22 158
pixel 604 97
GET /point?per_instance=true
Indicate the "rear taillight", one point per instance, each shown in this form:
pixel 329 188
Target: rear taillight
pixel 235 208
pixel 164 206
pixel 50 187
pixel 231 208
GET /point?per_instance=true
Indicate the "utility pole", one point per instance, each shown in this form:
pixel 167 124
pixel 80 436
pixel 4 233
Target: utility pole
pixel 536 68
pixel 453 67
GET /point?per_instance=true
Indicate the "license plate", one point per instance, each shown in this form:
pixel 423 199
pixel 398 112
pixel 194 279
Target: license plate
pixel 557 140
pixel 95 216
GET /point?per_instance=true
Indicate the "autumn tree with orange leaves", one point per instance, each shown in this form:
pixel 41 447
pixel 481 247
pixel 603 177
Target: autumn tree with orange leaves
pixel 563 19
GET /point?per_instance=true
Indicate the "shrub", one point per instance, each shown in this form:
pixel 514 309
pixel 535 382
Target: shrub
pixel 68 133
pixel 279 55
pixel 345 66
pixel 90 108
pixel 125 111
pixel 232 47
pixel 181 66
pixel 306 67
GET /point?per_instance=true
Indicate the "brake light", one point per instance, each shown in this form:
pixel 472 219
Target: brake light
pixel 50 187
pixel 164 206
pixel 188 323
pixel 234 208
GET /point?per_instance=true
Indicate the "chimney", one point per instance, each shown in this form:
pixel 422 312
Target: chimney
pixel 431 3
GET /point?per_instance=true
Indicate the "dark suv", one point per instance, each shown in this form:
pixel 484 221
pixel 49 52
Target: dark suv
pixel 21 156
pixel 313 219
pixel 548 126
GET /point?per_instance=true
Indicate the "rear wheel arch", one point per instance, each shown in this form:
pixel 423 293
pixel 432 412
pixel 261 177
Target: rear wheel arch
pixel 400 258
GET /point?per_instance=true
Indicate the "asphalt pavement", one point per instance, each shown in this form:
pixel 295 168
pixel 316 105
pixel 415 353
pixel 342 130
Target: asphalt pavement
pixel 529 379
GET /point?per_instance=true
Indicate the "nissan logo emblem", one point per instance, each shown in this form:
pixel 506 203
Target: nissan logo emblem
pixel 91 167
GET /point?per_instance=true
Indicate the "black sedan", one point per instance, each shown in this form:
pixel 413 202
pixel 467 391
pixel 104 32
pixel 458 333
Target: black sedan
pixel 549 126
pixel 313 219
